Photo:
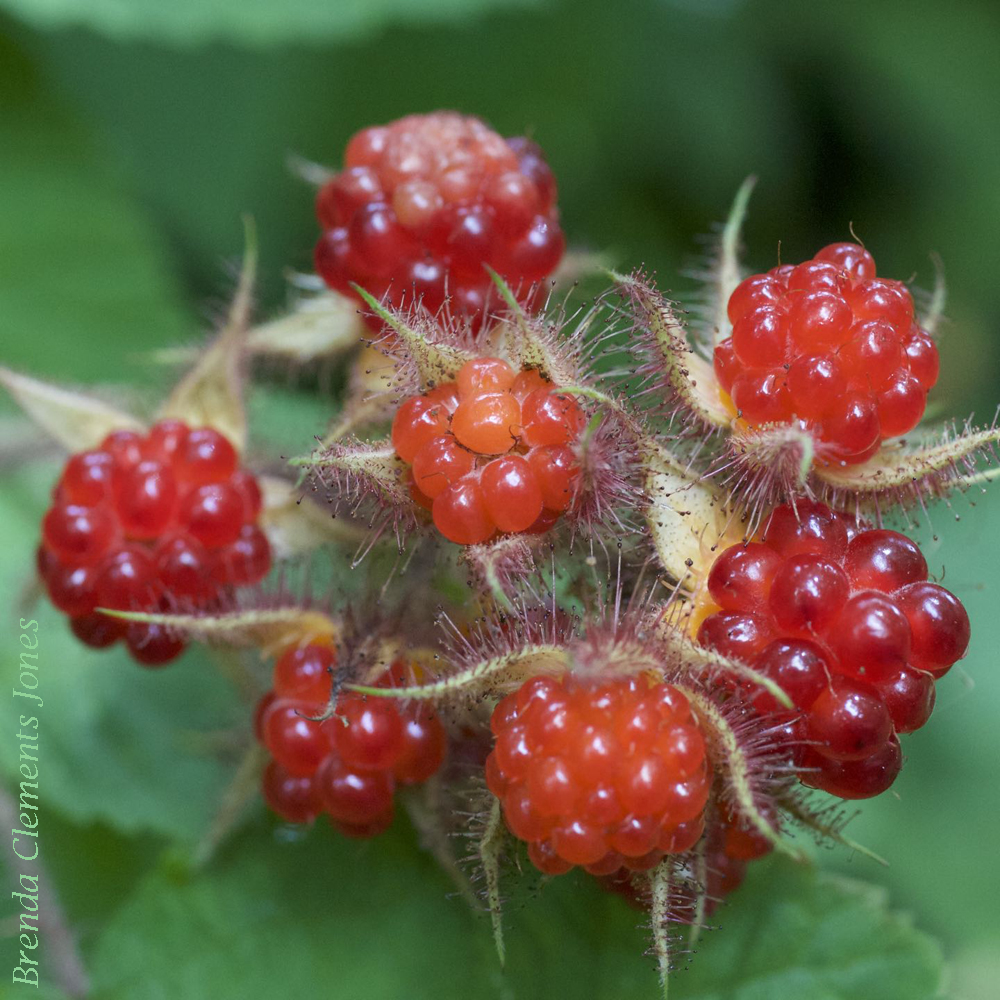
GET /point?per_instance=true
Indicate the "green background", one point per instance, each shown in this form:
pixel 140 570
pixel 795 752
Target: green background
pixel 132 138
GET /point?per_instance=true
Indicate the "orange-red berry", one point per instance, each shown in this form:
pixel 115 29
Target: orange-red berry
pixel 491 451
pixel 598 773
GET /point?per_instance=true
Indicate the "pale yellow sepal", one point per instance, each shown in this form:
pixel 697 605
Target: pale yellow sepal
pixel 211 394
pixel 76 421
pixel 271 629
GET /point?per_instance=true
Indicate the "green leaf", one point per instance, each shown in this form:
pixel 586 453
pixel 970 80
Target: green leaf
pixel 246 22
pixel 316 914
pixel 82 278
pixel 796 932
pixel 117 743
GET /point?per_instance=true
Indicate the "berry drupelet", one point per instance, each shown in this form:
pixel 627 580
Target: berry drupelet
pixel 830 345
pixel 424 202
pixel 729 847
pixel 490 452
pixel 148 523
pixel 349 765
pixel 603 774
pixel 844 620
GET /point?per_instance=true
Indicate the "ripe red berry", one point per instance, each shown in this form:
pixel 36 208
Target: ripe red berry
pixel 843 620
pixel 164 440
pixel 182 566
pixel 126 580
pixel 829 345
pixel 598 774
pixel 884 560
pixel 146 523
pixel 435 195
pixel 909 696
pixel 807 594
pixel 355 757
pixel 798 667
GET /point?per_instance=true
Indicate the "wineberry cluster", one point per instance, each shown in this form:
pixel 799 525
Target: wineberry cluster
pixel 828 343
pixel 424 202
pixel 491 451
pixel 350 764
pixel 845 621
pixel 603 774
pixel 150 523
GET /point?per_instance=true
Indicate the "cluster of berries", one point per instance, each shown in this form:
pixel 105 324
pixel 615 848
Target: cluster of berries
pixel 423 203
pixel 491 451
pixel 150 523
pixel 845 621
pixel 604 774
pixel 829 344
pixel 348 765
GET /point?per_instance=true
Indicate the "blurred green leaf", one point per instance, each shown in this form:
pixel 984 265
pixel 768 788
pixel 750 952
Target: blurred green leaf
pixel 83 279
pixel 245 22
pixel 318 914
